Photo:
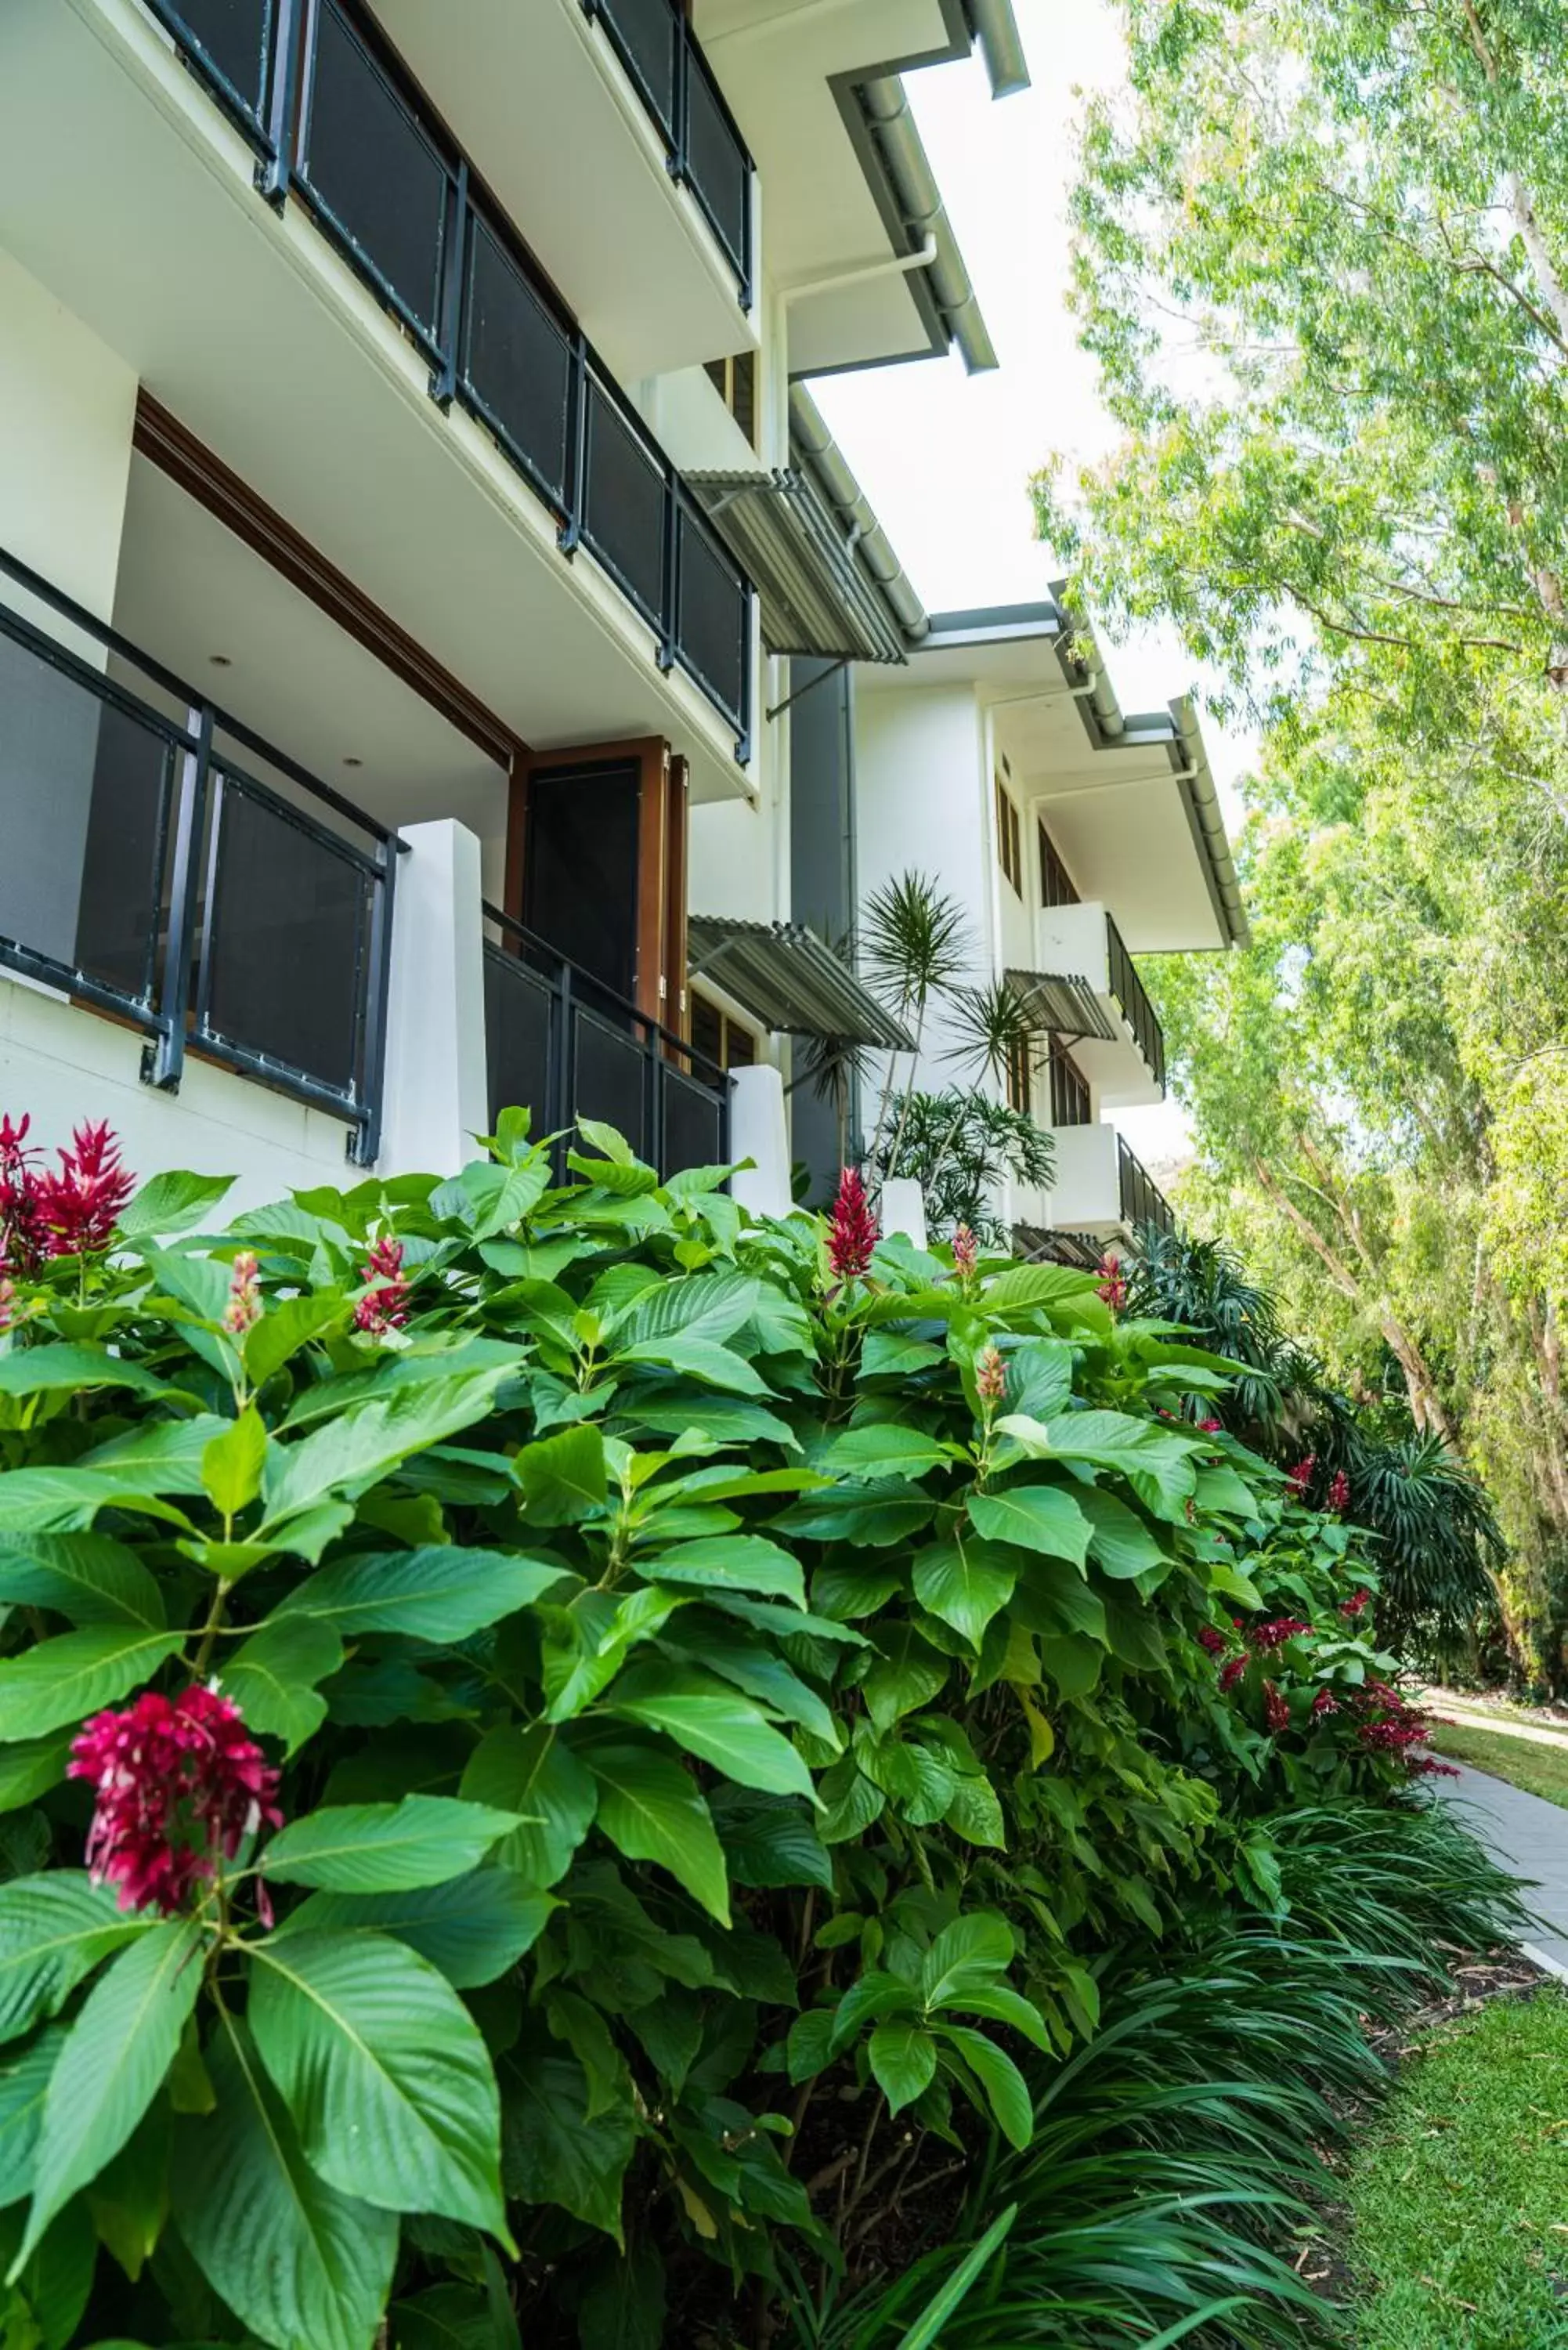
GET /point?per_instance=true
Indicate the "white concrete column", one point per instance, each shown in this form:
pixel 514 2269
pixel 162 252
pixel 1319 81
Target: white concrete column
pixel 758 1131
pixel 437 1091
pixel 902 1210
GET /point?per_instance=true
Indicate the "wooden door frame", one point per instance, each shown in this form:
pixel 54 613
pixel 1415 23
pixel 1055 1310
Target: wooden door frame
pixel 659 957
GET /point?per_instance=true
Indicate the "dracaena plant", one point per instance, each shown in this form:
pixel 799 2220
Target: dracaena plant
pixel 494 1669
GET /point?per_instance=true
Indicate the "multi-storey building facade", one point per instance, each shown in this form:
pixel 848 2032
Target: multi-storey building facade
pixel 432 608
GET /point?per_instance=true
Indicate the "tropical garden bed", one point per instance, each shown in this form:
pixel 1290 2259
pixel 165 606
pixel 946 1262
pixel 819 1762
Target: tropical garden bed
pixel 566 1753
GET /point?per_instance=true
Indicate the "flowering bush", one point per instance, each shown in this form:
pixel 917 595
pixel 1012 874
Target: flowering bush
pixel 524 1705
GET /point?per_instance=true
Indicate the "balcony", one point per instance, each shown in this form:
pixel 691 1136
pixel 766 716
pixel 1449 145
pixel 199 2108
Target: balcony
pixel 299 340
pixel 151 874
pixel 170 869
pixel 1086 990
pixel 1100 1189
pixel 567 1048
pixel 704 148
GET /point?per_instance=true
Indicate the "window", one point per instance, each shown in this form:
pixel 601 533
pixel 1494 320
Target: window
pixel 735 381
pixel 720 1039
pixel 1009 837
pixel 1020 1079
pixel 1070 1102
pixel 1056 881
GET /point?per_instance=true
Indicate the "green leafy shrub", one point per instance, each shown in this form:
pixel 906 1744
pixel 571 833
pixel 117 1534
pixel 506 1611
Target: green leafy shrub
pixel 706 1682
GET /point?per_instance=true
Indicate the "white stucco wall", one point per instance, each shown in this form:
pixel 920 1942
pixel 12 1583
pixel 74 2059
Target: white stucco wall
pixel 923 804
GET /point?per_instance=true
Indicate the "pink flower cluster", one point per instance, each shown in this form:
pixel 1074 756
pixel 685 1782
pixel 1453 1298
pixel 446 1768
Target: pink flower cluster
pixel 1339 1493
pixel 1210 1637
pixel 1298 1479
pixel 1113 1281
pixel 852 1232
pixel 990 1377
pixel 243 1309
pixel 176 1784
pixel 73 1213
pixel 966 1252
pixel 1355 1603
pixel 385 1307
pixel 1264 1637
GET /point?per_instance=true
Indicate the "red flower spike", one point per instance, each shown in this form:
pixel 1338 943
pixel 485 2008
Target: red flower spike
pixel 852 1233
pixel 1113 1283
pixel 966 1252
pixel 79 1207
pixel 8 1302
pixel 1231 1673
pixel 1324 1702
pixel 243 1309
pixel 177 1785
pixel 1426 1766
pixel 990 1377
pixel 1339 1493
pixel 1276 1712
pixel 1300 1477
pixel 1211 1639
pixel 1264 1636
pixel 1354 1606
pixel 1211 1428
pixel 24 1242
pixel 386 1306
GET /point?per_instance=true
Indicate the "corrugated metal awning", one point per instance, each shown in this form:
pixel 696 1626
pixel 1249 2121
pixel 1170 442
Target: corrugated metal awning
pixel 1059 1004
pixel 817 599
pixel 788 979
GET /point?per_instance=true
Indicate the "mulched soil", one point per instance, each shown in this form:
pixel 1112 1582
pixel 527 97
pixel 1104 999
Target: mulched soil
pixel 1502 1974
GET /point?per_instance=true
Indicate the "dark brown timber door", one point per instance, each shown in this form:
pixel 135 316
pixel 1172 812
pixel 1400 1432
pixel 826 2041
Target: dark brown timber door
pixel 595 865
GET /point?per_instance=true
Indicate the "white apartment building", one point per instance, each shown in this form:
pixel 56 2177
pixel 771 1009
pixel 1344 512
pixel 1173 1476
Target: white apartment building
pixel 1077 839
pixel 444 659
pixel 383 684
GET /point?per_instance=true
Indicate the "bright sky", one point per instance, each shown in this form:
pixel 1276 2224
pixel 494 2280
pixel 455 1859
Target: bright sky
pixel 945 458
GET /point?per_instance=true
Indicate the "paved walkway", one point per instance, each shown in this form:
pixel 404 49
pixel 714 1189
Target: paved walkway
pixel 1529 1836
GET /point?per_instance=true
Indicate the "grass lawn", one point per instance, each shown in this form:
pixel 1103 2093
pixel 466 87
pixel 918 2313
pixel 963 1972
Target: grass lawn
pixel 1460 2195
pixel 1539 1769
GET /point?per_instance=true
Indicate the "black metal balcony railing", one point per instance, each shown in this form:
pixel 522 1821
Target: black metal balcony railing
pixel 1130 994
pixel 1142 1200
pixel 333 113
pixel 704 148
pixel 149 874
pixel 560 1045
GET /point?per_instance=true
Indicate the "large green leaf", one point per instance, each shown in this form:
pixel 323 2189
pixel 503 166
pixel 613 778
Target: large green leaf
pixel 384 2073
pixel 711 1305
pixel 285 1327
pixel 651 1809
pixel 24 2084
pixel 1155 1459
pixel 441 1594
pixel 903 2059
pixel 1006 2092
pixel 563 1477
pixel 972 1949
pixel 473 1927
pixel 54 1930
pixel 86 1577
pixel 65 1678
pixel 907 1673
pixel 713 1722
pixel 385 1848
pixel 1041 1284
pixel 361 1445
pixel 1120 1541
pixel 1045 1518
pixel 553 2152
pixel 769 1840
pixel 534 1773
pixel 887 1448
pixel 732 1562
pixel 31 1767
pixel 233 1462
pixel 698 1358
pixel 67 1501
pixel 115 2055
pixel 171 1203
pixel 53 2284
pixel 158 1455
pixel 964 1582
pixel 73 1370
pixel 273 1676
pixel 303 2265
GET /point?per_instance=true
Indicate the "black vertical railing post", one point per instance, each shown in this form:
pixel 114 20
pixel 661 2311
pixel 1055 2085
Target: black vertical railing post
pixel 164 1063
pixel 454 271
pixel 570 534
pixel 561 1074
pixel 365 1140
pixel 668 571
pixel 273 176
pixel 679 129
pixel 655 1094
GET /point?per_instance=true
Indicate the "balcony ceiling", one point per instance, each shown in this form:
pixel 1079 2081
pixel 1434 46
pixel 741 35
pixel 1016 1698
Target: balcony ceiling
pixel 256 336
pixel 584 174
pixel 786 68
pixel 1116 812
pixel 188 591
